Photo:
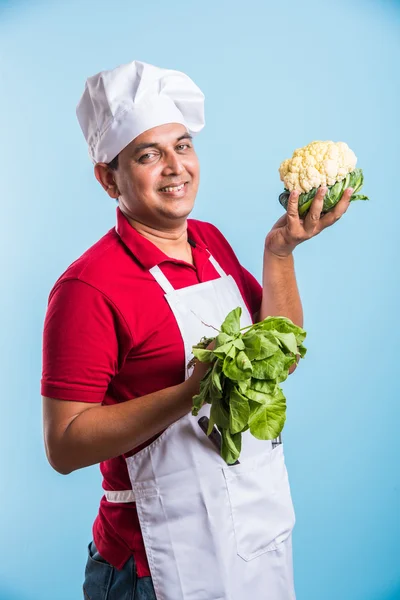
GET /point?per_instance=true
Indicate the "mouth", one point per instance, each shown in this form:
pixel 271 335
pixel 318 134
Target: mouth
pixel 175 191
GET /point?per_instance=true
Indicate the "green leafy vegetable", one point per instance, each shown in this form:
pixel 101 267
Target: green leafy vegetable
pixel 231 325
pixel 242 383
pixel 231 445
pixel 355 179
pixel 267 420
pixel 240 411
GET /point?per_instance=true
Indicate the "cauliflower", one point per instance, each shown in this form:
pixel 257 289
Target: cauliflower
pixel 320 164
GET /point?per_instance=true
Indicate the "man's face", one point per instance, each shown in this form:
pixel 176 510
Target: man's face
pixel 150 168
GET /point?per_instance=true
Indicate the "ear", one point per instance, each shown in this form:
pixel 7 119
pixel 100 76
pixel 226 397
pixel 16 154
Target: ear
pixel 106 177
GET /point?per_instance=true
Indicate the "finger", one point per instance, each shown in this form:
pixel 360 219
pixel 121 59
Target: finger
pixel 293 208
pixel 312 218
pixel 338 211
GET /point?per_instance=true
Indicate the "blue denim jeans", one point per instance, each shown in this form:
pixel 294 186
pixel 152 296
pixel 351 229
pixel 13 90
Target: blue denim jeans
pixel 105 582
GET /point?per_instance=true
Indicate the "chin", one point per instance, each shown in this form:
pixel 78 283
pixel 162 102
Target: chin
pixel 178 212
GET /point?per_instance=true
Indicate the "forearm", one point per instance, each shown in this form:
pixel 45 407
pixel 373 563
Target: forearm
pixel 103 432
pixel 280 292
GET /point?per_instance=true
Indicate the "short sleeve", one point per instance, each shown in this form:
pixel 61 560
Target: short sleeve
pixel 82 338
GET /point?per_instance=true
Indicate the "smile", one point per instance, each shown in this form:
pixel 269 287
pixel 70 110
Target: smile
pixel 175 191
pixel 173 188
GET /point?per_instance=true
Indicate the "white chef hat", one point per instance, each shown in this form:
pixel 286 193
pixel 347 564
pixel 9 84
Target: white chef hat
pixel 120 104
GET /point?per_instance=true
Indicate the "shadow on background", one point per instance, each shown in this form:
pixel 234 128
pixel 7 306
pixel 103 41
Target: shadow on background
pixel 393 594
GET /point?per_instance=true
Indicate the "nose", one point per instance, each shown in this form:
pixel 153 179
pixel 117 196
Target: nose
pixel 173 164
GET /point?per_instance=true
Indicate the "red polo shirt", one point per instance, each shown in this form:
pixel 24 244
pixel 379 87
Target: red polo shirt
pixel 110 336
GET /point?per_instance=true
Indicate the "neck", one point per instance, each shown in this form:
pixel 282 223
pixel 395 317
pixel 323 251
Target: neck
pixel 173 242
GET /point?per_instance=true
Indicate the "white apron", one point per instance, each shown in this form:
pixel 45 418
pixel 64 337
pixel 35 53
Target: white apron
pixel 211 531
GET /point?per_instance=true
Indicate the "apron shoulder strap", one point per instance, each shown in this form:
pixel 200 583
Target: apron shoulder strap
pixel 161 279
pixel 166 285
pixel 217 267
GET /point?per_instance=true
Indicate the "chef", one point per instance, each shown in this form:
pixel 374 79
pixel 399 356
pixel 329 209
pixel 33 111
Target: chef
pixel 175 521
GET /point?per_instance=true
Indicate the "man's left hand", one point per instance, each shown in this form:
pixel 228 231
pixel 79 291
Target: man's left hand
pixel 290 230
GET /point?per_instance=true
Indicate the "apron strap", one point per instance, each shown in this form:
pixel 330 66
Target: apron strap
pixel 161 279
pixel 165 284
pixel 122 496
pixel 217 267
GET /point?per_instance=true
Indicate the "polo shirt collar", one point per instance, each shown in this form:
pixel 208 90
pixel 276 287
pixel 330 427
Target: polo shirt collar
pixel 147 253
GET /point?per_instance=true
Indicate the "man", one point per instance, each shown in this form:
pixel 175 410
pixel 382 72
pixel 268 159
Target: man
pixel 175 522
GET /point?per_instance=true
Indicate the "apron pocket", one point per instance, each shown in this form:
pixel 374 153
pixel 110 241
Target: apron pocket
pixel 261 504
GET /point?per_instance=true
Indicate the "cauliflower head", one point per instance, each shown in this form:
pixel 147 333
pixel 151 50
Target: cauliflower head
pixel 319 163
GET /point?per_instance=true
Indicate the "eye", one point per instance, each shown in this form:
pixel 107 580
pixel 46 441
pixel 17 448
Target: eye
pixel 181 146
pixel 146 156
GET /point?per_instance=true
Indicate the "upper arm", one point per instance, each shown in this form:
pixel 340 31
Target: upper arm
pixel 83 343
pixel 81 353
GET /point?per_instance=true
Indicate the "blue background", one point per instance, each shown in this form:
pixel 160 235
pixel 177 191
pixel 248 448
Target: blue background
pixel 276 76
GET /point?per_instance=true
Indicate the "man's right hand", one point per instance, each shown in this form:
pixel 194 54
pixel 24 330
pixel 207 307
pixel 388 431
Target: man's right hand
pixel 199 371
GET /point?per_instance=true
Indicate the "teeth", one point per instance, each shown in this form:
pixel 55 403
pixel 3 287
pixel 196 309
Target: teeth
pixel 175 188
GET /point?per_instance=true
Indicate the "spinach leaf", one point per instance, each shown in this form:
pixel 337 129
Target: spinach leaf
pixel 203 396
pixel 221 339
pixel 216 386
pixel 232 369
pixel 203 355
pixel 219 414
pixel 252 345
pixel 243 363
pixel 267 420
pixel 269 368
pixel 231 325
pixel 227 349
pixel 231 446
pixel 288 340
pixel 269 345
pixel 239 411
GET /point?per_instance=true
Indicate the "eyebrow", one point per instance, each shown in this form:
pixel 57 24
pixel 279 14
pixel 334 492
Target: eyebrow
pixel 139 147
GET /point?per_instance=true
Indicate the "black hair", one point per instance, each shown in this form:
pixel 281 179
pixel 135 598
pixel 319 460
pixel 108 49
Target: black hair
pixel 113 165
